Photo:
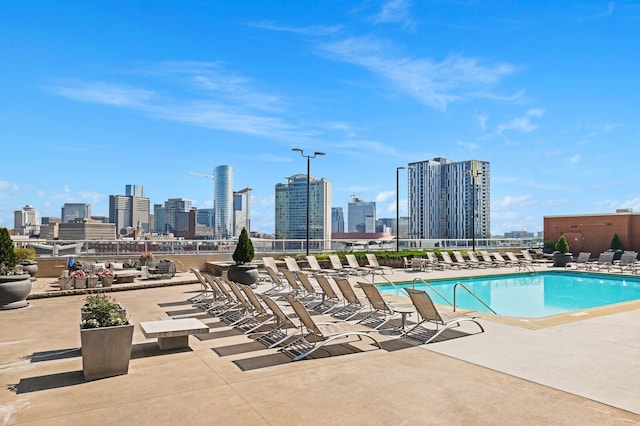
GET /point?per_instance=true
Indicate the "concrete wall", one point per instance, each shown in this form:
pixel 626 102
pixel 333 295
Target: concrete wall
pixel 593 233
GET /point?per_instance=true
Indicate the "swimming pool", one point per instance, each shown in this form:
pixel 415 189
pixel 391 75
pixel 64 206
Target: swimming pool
pixel 532 295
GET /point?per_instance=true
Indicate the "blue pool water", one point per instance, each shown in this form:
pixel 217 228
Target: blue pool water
pixel 534 295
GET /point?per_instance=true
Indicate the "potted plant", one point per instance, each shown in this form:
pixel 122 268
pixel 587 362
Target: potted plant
pixel 106 277
pixel 562 256
pixel 79 278
pixel 145 257
pixel 15 284
pixel 106 336
pixel 616 246
pixel 26 257
pixel 243 272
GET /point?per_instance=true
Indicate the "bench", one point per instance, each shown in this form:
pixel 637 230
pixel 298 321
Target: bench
pixel 126 276
pixel 173 334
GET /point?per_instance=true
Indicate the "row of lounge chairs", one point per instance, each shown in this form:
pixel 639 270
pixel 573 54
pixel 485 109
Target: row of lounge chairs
pixel 264 316
pixel 605 263
pixel 486 260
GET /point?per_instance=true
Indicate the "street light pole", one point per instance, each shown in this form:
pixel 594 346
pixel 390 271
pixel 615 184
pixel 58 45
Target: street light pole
pixel 398 207
pixel 308 157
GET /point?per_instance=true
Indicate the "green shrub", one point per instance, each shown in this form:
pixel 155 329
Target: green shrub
pixel 25 254
pixel 244 251
pixel 562 245
pixel 8 258
pixel 616 244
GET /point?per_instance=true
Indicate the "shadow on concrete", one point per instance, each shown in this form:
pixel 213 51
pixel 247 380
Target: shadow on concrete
pixel 150 349
pixel 50 381
pixel 54 355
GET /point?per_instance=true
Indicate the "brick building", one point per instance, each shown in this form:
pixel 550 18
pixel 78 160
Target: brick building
pixel 594 232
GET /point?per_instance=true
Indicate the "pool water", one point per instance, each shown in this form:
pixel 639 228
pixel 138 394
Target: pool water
pixel 532 295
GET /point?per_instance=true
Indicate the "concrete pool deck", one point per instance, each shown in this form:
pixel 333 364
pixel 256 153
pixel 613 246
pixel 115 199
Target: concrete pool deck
pixel 581 372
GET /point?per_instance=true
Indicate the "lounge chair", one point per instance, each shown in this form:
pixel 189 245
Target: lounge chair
pixel 582 261
pixel 515 260
pixel 205 292
pixel 314 266
pixel 534 261
pixel 329 297
pixel 280 332
pixel 488 260
pixel 446 260
pixel 337 265
pixel 435 263
pixel 501 261
pixel 311 294
pixel 294 288
pixel 428 313
pixel 318 334
pixel 355 266
pixel 626 263
pixel 418 264
pixel 474 259
pixel 352 304
pixel 278 281
pixel 373 263
pixel 381 312
pixel 292 264
pixel 604 262
pixel 259 315
pixel 462 262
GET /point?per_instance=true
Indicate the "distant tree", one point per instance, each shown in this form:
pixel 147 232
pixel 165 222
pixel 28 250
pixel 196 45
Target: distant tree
pixel 562 245
pixel 616 244
pixel 244 251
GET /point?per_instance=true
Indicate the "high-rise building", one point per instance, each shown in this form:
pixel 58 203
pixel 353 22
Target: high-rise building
pixel 159 219
pixel 337 220
pixel 362 216
pixel 73 211
pixel 291 209
pixel 449 200
pixel 241 212
pixel 130 211
pixel 223 201
pixel 131 190
pixel 26 221
pixel 173 220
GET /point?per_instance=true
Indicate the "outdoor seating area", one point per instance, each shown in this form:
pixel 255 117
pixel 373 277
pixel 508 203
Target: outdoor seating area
pixel 335 327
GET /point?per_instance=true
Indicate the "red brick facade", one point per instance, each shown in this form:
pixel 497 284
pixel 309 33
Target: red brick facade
pixel 593 233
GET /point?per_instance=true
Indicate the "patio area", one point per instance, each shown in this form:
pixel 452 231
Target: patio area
pixel 585 371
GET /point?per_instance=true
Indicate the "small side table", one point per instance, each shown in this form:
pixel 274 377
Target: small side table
pixel 404 311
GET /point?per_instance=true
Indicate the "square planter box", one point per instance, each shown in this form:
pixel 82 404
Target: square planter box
pixel 106 351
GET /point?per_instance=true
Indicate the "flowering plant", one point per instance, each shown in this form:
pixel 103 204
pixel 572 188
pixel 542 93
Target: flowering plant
pixel 101 310
pixel 106 273
pixel 78 273
pixel 147 255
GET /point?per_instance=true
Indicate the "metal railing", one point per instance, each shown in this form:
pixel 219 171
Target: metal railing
pixel 180 246
pixel 455 287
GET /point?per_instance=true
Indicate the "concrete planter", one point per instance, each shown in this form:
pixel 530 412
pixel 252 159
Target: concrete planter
pixel 66 283
pixel 30 267
pixel 14 290
pixel 107 280
pixel 243 274
pixel 561 259
pixel 106 351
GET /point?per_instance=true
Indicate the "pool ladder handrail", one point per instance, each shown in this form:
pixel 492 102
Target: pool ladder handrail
pixel 455 287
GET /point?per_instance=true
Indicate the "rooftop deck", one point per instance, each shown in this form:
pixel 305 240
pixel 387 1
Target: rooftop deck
pixel 580 371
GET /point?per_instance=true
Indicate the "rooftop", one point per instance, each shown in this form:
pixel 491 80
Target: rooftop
pixel 579 371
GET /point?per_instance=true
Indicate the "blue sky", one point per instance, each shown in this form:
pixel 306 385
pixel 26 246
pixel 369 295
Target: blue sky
pixel 97 95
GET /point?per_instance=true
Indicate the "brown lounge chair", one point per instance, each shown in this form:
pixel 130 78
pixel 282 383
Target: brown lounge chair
pixel 320 333
pixel 428 313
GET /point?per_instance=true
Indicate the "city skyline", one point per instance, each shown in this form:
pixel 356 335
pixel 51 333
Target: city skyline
pixel 99 95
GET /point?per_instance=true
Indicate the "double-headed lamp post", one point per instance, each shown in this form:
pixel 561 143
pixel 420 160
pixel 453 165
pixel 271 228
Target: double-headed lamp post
pixel 475 173
pixel 398 207
pixel 308 157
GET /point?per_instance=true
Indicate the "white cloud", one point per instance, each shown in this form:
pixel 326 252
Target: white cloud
pixel 436 84
pixel 8 186
pixel 467 145
pixel 101 92
pixel 314 30
pixel 536 112
pixel 481 119
pixel 395 11
pixel 385 196
pixel 574 159
pixel 521 124
pixel 610 126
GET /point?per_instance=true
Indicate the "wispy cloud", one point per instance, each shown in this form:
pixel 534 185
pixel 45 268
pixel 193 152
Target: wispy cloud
pixel 520 124
pixel 611 126
pixel 8 186
pixel 574 159
pixel 101 92
pixel 467 145
pixel 314 30
pixel 599 14
pixel 222 100
pixel 436 84
pixel 536 112
pixel 481 119
pixel 395 11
